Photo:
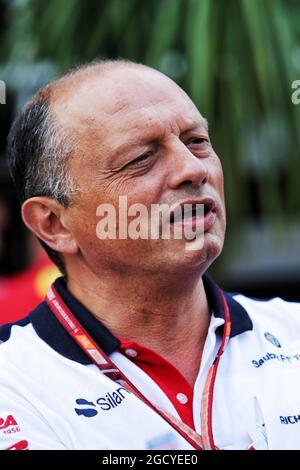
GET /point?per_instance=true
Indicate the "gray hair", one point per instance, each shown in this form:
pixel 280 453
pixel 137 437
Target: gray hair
pixel 45 151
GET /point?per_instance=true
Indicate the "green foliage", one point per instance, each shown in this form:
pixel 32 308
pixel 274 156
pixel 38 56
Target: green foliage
pixel 236 58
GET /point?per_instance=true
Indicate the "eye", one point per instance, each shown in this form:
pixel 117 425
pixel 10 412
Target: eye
pixel 198 141
pixel 199 146
pixel 141 159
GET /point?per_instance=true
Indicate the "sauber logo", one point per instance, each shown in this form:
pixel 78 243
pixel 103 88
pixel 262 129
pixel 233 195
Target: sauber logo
pixel 8 421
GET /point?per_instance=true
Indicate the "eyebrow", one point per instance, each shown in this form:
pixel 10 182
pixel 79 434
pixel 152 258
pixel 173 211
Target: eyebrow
pixel 203 122
pixel 196 125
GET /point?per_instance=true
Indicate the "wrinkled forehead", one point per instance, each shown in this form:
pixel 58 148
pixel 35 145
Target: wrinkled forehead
pixel 122 99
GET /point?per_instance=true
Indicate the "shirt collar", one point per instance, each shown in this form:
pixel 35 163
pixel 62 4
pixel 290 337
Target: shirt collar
pixel 240 320
pixel 50 330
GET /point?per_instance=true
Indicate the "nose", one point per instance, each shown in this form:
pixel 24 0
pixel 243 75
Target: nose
pixel 186 168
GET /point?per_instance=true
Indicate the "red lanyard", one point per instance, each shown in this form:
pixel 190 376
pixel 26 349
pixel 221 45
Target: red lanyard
pixel 107 367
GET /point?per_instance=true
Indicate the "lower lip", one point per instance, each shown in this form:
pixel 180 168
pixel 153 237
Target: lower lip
pixel 194 223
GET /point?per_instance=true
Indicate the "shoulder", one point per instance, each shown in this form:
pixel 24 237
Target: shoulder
pixel 275 305
pixel 12 335
pixel 20 343
pixel 35 344
pixel 274 312
pixel 6 330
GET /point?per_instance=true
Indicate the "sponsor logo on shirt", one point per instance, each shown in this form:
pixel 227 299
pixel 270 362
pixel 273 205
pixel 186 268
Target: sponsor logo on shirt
pixel 279 357
pixel 107 402
pixel 272 339
pixel 292 419
pixel 21 445
pixel 8 421
pixel 9 425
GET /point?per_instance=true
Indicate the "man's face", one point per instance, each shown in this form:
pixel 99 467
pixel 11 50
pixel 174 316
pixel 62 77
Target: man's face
pixel 140 136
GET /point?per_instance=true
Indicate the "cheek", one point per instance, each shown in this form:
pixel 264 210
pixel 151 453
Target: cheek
pixel 85 230
pixel 82 221
pixel 217 177
pixel 146 189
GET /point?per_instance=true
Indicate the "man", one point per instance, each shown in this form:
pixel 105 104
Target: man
pixel 135 348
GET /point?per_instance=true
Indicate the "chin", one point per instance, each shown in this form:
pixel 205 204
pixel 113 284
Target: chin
pixel 210 249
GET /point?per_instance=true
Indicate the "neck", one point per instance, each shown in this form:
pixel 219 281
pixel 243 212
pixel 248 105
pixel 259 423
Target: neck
pixel 170 317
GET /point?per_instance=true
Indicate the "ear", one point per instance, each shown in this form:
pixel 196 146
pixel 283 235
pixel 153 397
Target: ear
pixel 45 218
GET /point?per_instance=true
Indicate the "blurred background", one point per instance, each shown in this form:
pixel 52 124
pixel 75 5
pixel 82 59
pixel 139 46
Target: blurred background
pixel 236 58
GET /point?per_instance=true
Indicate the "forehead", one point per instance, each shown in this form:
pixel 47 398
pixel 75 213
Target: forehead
pixel 124 102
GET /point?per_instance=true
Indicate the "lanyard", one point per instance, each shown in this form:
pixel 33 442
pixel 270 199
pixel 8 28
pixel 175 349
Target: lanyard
pixel 109 369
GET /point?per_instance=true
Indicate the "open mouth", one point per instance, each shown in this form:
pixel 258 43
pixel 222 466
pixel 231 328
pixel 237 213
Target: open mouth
pixel 189 210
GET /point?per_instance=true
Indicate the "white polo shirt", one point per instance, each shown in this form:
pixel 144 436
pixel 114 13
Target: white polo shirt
pixel 53 397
